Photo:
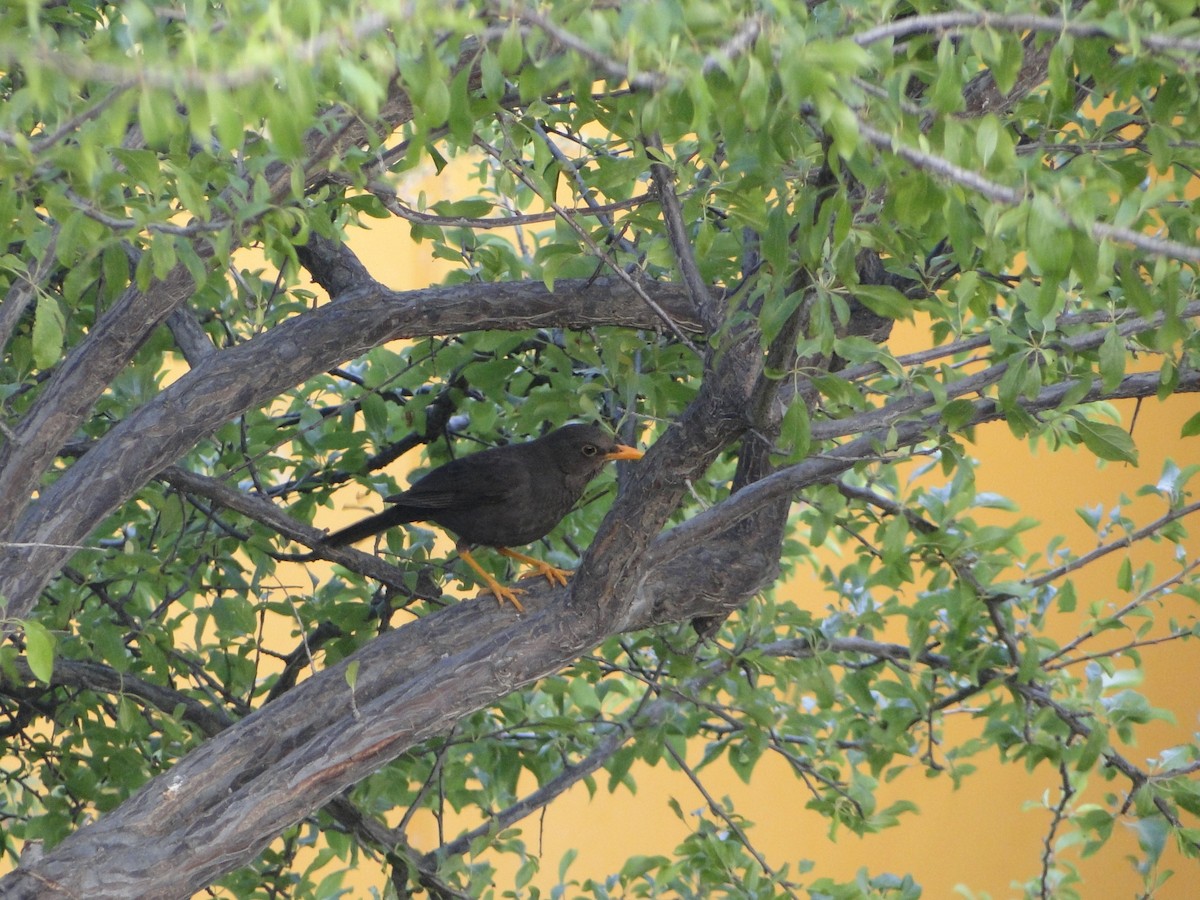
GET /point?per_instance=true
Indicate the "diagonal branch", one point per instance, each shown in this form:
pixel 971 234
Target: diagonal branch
pixel 677 234
pixel 227 383
pixel 993 190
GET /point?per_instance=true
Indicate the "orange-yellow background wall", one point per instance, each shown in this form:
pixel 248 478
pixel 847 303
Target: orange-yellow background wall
pixel 981 836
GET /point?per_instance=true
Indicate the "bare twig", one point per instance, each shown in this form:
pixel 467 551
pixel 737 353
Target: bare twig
pixel 954 22
pixel 1059 813
pixel 993 190
pixel 1123 543
pixel 719 811
pixel 595 248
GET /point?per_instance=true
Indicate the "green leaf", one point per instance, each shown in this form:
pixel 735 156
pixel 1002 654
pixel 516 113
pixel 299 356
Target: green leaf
pixel 158 117
pixel 48 327
pixel 754 94
pixel 1007 67
pixel 1152 835
pixel 375 414
pixel 228 118
pixel 957 413
pixel 1050 244
pixel 987 137
pixel 884 300
pixel 948 88
pixel 565 863
pixel 436 103
pixel 39 649
pixel 492 76
pixel 796 431
pixel 1191 427
pixel 365 89
pixel 776 312
pixel 511 51
pixel 127 715
pixel 1112 360
pixel 1107 441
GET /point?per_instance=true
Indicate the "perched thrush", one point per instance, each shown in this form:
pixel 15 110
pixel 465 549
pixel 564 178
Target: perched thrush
pixel 502 497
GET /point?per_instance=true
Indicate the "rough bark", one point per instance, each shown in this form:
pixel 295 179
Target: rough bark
pixel 223 803
pixel 219 806
pixel 229 382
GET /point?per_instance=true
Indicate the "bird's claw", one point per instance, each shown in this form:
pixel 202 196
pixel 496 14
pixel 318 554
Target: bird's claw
pixel 509 594
pixel 553 574
pixel 504 594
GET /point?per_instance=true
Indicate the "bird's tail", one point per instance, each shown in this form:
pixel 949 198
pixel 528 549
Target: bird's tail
pixel 382 521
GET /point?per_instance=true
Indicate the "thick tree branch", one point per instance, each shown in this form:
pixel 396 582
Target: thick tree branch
pixel 412 684
pixel 239 378
pixel 80 378
pixel 703 527
pixel 234 793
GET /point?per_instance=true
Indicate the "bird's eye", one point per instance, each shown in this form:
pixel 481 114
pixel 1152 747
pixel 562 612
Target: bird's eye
pixel 590 449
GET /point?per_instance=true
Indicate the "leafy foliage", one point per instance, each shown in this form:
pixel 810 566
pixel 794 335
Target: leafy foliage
pixel 777 197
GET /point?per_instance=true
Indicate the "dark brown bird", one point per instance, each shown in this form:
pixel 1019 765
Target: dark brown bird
pixel 502 497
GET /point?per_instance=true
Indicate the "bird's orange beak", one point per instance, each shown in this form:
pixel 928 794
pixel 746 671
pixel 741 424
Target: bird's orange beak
pixel 624 452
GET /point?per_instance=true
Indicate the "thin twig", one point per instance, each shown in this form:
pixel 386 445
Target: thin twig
pixel 720 813
pixel 1059 815
pixel 595 248
pixel 1120 544
pixel 952 22
pixel 1000 193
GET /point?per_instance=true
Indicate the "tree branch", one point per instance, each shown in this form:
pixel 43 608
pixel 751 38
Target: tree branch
pixel 229 382
pixel 993 190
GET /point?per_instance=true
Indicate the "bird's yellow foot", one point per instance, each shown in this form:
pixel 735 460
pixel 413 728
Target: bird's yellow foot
pixel 552 574
pixel 499 591
pixel 502 594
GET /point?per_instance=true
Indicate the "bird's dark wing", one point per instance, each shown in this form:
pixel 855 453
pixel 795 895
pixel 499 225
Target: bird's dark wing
pixel 466 483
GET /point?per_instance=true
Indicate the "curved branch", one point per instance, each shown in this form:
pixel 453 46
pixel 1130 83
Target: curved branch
pixel 227 383
pixel 993 190
pixel 955 22
pixel 93 676
pixel 701 528
pixel 233 794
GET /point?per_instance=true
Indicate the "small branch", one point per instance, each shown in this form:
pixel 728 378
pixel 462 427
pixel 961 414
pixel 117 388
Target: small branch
pixel 266 513
pixel 71 125
pixel 195 229
pixel 948 171
pixel 97 677
pixel 650 81
pixel 1121 544
pixel 720 813
pixel 595 248
pixel 677 234
pixel 389 198
pixel 392 843
pixel 954 22
pixel 25 287
pixel 1144 597
pixel 557 785
pixel 1059 815
pixel 1119 651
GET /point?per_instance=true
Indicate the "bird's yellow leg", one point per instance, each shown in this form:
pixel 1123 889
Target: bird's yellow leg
pixel 552 574
pixel 499 591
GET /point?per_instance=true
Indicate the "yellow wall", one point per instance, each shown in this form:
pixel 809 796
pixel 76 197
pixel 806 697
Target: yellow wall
pixel 981 835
